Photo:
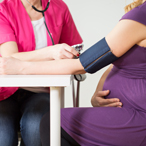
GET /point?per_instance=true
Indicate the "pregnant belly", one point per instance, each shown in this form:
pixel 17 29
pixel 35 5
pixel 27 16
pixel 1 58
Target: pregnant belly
pixel 131 92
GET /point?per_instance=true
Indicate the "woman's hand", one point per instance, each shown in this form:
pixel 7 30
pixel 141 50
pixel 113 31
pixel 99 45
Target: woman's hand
pixel 63 51
pixel 59 51
pixel 98 100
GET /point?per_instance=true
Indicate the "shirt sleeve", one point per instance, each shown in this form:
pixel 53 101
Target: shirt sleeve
pixel 6 31
pixel 69 34
pixel 137 14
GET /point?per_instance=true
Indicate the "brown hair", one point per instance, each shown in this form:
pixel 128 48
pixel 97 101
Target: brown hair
pixel 134 4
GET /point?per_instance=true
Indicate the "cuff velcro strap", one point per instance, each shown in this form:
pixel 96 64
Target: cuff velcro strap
pixel 97 57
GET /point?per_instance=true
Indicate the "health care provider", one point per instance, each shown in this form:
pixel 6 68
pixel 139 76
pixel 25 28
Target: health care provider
pixel 125 47
pixel 23 35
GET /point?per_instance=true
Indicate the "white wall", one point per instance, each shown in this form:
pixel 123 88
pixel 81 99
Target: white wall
pixel 94 20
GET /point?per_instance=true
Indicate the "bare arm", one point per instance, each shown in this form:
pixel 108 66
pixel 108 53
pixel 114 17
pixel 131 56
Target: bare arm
pixel 126 34
pixel 64 66
pixel 10 49
pixel 98 99
pixel 60 51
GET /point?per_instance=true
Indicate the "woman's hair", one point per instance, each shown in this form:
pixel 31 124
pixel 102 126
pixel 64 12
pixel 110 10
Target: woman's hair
pixel 134 4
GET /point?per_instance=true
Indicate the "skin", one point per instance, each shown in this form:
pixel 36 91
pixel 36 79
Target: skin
pixel 125 34
pixel 62 51
pixel 98 99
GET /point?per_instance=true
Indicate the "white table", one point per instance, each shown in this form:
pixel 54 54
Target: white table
pixel 56 84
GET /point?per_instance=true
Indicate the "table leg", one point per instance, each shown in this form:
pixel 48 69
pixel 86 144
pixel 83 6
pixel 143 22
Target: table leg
pixel 62 97
pixel 55 104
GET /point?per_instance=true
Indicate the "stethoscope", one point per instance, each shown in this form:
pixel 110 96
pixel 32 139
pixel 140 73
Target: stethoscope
pixel 42 11
pixel 77 48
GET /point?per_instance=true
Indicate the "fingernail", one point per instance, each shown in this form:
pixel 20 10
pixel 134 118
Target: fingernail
pixel 78 55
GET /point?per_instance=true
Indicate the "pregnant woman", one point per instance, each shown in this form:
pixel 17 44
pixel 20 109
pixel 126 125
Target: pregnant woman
pixel 125 47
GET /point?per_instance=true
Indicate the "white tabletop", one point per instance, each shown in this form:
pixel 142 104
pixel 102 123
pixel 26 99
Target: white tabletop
pixel 35 80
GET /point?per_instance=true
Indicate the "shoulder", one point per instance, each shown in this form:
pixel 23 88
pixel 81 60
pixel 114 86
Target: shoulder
pixel 137 14
pixel 59 4
pixel 142 7
pixel 7 6
pixel 61 10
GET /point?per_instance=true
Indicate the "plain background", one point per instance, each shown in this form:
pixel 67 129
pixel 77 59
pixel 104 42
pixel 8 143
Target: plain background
pixel 94 20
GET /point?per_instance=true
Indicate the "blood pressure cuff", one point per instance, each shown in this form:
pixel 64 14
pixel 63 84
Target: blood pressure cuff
pixel 97 57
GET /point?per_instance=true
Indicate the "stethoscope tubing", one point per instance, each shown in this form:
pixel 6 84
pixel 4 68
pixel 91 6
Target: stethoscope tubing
pixel 48 30
pixel 42 11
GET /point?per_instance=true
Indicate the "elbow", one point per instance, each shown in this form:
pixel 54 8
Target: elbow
pixel 77 67
pixel 79 72
pixel 75 72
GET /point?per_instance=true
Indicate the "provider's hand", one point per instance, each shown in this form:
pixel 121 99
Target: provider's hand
pixel 63 51
pixel 98 100
pixel 10 65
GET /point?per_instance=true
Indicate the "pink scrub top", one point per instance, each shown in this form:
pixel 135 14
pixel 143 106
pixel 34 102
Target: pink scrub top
pixel 15 25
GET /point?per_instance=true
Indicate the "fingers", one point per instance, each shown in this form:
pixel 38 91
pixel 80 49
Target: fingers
pixel 104 101
pixel 100 101
pixel 67 55
pixel 69 52
pixel 103 93
pixel 114 104
pixel 64 51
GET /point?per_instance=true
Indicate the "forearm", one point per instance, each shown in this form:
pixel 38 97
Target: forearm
pixel 10 49
pixel 36 55
pixel 59 51
pixel 56 67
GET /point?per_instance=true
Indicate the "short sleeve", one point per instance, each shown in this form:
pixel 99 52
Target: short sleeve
pixel 6 31
pixel 137 14
pixel 69 34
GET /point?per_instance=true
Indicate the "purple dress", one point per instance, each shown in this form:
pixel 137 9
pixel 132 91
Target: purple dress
pixel 110 126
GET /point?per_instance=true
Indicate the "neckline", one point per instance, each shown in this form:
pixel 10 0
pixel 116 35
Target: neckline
pixel 39 20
